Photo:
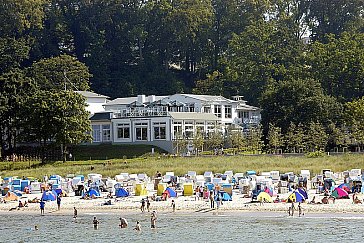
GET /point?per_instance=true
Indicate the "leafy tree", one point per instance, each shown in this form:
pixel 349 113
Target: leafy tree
pixel 15 88
pixel 338 136
pixel 295 138
pixel 338 65
pixel 297 101
pixel 198 140
pixel 354 117
pixel 255 142
pixel 237 140
pixel 215 139
pixel 316 137
pixel 275 138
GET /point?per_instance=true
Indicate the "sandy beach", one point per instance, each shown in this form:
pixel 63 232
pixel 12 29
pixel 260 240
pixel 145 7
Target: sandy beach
pixel 183 204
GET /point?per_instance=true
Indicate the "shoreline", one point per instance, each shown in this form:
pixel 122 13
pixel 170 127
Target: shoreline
pixel 183 205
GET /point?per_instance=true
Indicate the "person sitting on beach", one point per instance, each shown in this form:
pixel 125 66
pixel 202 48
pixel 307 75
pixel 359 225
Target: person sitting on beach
pixel 313 200
pixel 123 223
pixel 108 202
pixel 109 195
pixel 357 201
pixel 325 200
pixel 277 200
pixel 137 226
pixel 20 205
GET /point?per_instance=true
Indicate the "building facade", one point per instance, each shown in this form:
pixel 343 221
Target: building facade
pixel 161 120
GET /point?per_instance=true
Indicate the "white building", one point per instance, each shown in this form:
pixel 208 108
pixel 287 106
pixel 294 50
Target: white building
pixel 159 120
pixel 95 102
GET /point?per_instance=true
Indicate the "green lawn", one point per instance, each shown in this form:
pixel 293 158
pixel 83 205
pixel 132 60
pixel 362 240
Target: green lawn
pixel 180 166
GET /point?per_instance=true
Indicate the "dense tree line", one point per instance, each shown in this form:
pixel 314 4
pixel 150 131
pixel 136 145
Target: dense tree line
pixel 253 48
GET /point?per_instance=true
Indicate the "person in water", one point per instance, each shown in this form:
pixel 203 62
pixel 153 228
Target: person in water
pixel 123 223
pixel 153 219
pixel 74 212
pixel 137 226
pixel 95 222
pixel 42 205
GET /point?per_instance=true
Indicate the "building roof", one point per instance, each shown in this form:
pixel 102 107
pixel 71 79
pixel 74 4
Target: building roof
pixel 89 94
pixel 129 100
pixel 101 116
pixel 208 98
pixel 247 107
pixel 193 116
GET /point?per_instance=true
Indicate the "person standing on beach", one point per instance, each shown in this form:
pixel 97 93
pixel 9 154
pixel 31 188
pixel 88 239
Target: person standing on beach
pixel 212 201
pixel 300 210
pixel 197 193
pixel 59 202
pixel 74 212
pixel 42 205
pixel 142 207
pixel 148 204
pixel 153 219
pixel 292 209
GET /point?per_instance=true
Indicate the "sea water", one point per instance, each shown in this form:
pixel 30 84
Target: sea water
pixel 182 227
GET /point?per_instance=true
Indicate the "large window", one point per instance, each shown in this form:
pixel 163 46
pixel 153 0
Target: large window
pixel 207 109
pixel 123 131
pixel 177 130
pixel 217 110
pixel 96 133
pixel 141 131
pixel 106 137
pixel 228 111
pixel 189 129
pixel 159 130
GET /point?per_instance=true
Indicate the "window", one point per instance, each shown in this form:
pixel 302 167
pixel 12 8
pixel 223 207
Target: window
pixel 159 130
pixel 123 131
pixel 228 111
pixel 141 133
pixel 189 129
pixel 246 114
pixel 96 133
pixel 217 110
pixel 177 130
pixel 207 109
pixel 106 137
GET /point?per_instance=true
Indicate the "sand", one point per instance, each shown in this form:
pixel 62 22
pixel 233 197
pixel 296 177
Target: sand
pixel 184 204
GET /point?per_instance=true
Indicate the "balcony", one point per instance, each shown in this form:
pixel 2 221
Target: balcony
pixel 141 112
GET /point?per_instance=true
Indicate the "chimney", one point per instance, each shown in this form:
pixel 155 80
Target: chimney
pixel 141 99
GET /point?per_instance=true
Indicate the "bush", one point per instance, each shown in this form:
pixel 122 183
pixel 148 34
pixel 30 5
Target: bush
pixel 315 154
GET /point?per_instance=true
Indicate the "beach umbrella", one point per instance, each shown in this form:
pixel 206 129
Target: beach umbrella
pixel 303 192
pixel 49 196
pixel 269 191
pixel 264 197
pixel 296 197
pixel 345 187
pixel 339 193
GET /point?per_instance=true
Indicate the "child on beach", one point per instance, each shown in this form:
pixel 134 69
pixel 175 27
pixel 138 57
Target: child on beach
pixel 42 205
pixel 59 202
pixel 137 226
pixel 173 206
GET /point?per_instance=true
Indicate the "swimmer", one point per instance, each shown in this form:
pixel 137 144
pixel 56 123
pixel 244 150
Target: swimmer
pixel 96 223
pixel 137 226
pixel 153 219
pixel 36 227
pixel 123 223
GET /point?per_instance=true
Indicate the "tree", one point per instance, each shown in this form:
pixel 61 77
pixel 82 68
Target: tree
pixel 295 138
pixel 198 140
pixel 15 89
pixel 338 136
pixel 316 138
pixel 255 135
pixel 354 117
pixel 237 140
pixel 275 138
pixel 57 79
pixel 297 101
pixel 338 65
pixel 215 139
